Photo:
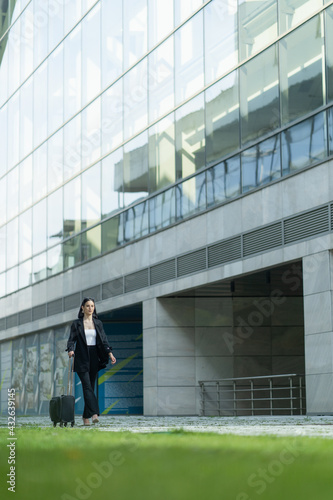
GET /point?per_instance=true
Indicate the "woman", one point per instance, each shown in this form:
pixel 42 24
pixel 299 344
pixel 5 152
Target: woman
pixel 92 353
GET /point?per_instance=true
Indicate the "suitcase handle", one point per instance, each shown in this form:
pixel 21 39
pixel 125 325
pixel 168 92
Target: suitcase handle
pixel 70 376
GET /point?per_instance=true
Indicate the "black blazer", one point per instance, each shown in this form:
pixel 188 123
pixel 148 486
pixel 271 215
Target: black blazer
pixel 77 343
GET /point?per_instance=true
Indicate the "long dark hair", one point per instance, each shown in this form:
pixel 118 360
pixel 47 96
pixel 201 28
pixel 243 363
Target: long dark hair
pixel 86 299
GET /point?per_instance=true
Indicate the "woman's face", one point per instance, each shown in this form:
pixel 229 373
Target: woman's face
pixel 88 308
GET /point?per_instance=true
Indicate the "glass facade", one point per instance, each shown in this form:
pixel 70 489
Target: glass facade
pixel 119 118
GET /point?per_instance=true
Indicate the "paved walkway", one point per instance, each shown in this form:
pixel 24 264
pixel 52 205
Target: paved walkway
pixel 244 426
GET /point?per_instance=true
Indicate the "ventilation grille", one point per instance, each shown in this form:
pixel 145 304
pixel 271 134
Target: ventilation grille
pixel 112 288
pixel 39 312
pixel 12 321
pixel 306 225
pixel 72 301
pixel 2 324
pixel 94 293
pixel 25 317
pixel 262 239
pixel 135 281
pixel 191 263
pixel 163 272
pixel 225 251
pixel 332 217
pixel 54 307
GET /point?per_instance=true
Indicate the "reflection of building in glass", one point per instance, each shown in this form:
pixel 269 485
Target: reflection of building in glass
pixel 135 132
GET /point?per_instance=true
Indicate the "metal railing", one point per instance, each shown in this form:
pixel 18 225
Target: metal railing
pixel 265 395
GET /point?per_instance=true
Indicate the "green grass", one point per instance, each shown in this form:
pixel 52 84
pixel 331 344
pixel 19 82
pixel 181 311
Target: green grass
pixel 67 464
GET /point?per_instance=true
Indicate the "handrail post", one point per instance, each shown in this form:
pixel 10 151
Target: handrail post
pixel 271 396
pixel 291 395
pixel 235 404
pixel 252 402
pixel 202 390
pixel 300 396
pixel 218 398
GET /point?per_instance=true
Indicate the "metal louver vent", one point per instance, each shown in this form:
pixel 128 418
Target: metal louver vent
pixel 2 324
pixel 225 251
pixel 113 288
pixel 262 239
pixel 306 225
pixel 54 307
pixel 72 301
pixel 163 272
pixel 12 321
pixel 25 317
pixel 137 280
pixel 39 312
pixel 94 293
pixel 331 217
pixel 191 262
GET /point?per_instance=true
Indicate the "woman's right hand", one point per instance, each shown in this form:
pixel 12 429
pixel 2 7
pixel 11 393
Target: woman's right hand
pixel 70 354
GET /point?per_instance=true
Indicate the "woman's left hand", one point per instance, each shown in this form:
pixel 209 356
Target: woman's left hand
pixel 113 359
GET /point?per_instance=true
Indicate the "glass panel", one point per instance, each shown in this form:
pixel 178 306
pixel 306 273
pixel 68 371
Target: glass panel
pixel 61 360
pixel 14 57
pixel 39 227
pixel 72 73
pixel 330 130
pixel 222 118
pixel 72 207
pixel 136 222
pixel 223 181
pixel 46 344
pixel 39 268
pixel 259 96
pixel 54 260
pixel 12 193
pixel 55 89
pixel 135 30
pixel 3 200
pixel 191 196
pixel 184 8
pixel 221 39
pixel 19 373
pixel 161 79
pixel 304 144
pixel 31 375
pixel 292 12
pixel 6 373
pixel 329 54
pixel 112 40
pixel 91 196
pixel 3 284
pixel 13 130
pixel 56 22
pixel 261 164
pixel 72 147
pixel 190 137
pixel 91 55
pixel 2 249
pixel 160 15
pixel 3 71
pixel 25 274
pixel 25 235
pixel 25 196
pixel 41 28
pixel 112 183
pixel 39 179
pixel 135 99
pixel 91 243
pixel 54 218
pixel 136 169
pixel 189 72
pixel 26 100
pixel 301 67
pixel 12 280
pixel 55 153
pixel 27 42
pixel 162 170
pixel 40 104
pixel 112 117
pixel 258 25
pixel 72 252
pixel 72 13
pixel 162 210
pixel 91 133
pixel 112 233
pixel 12 243
pixel 3 136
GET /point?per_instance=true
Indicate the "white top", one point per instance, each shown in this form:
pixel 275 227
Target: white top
pixel 90 336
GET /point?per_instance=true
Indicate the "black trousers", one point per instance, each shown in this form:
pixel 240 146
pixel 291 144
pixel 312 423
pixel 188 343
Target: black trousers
pixel 88 380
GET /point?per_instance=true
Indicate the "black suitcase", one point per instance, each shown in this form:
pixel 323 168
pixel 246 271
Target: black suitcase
pixel 62 408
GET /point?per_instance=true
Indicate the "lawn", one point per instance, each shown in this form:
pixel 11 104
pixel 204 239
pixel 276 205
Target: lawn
pixel 68 464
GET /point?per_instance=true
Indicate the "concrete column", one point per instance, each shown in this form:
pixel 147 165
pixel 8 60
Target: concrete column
pixel 318 329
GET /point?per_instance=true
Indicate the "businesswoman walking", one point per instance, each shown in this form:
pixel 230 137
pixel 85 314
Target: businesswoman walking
pixel 88 344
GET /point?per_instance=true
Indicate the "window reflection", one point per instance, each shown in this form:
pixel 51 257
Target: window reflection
pixel 3 137
pixel 26 48
pixel 55 155
pixel 330 130
pixel 39 269
pixel 3 200
pixel 223 181
pixel 111 40
pixel 261 164
pixel 56 23
pixel 329 55
pixel 191 196
pixel 259 96
pixel 72 207
pixel 25 179
pixel 91 133
pixel 54 260
pixel 2 249
pixel 3 70
pixel 72 73
pixel 40 105
pixel 162 210
pixel 184 8
pixel 14 56
pixel 160 18
pixel 301 67
pixel 19 372
pixel 304 144
pixel 91 196
pixel 45 381
pixel 91 243
pixel 72 147
pixel 31 374
pixel 162 154
pixel 135 99
pixel 39 227
pixel 112 233
pixel 161 79
pixel 136 222
pixel 26 110
pixel 292 12
pixel 112 183
pixel 136 169
pixel 40 32
pixel 91 50
pixel 135 30
pixel 55 112
pixel 12 280
pixel 112 117
pixel 25 235
pixel 222 118
pixel 258 25
pixel 12 243
pixel 72 252
pixel 39 179
pixel 190 137
pixel 13 130
pixel 12 193
pixel 54 218
pixel 25 274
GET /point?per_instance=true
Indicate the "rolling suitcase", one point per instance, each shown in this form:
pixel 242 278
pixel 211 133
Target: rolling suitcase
pixel 62 407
